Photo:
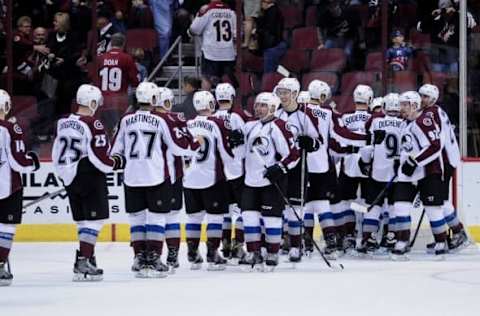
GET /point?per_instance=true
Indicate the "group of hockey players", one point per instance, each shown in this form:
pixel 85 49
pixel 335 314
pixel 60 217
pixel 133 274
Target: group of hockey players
pixel 268 175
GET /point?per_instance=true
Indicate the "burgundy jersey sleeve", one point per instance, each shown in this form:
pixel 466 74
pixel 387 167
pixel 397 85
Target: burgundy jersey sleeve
pixel 99 145
pixel 285 145
pixel 16 149
pixel 427 131
pixel 224 131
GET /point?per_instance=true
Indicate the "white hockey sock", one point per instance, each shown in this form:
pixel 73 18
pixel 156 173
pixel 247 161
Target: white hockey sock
pixel 172 226
pixel 194 225
pixel 214 226
pixel 251 226
pixel 371 220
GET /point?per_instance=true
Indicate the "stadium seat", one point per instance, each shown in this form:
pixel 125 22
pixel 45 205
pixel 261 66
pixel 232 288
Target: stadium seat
pixel 351 79
pixel 406 16
pixel 404 81
pixel 344 103
pixel 248 84
pixel 270 80
pixel 328 59
pixel 311 16
pixel 295 60
pixel 305 38
pixel 374 61
pixel 251 62
pixel 141 38
pixel 292 16
pixel 419 40
pixel 328 77
pixel 421 62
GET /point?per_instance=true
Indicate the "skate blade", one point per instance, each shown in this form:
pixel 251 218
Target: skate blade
pixel 269 269
pixel 172 269
pixel 195 266
pixel 332 256
pixel 216 267
pixel 5 282
pixel 233 262
pixel 142 274
pixel 441 257
pixel 308 254
pixel 154 274
pixel 82 277
pixel 399 258
pixel 463 246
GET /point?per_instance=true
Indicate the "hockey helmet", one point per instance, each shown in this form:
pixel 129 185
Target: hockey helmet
pixel 89 96
pixel 363 94
pixel 147 93
pixel 203 100
pixel 319 90
pixel 164 95
pixel 5 101
pixel 225 92
pixel 430 91
pixel 391 103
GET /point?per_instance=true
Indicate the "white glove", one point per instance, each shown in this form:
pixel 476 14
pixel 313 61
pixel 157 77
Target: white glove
pixel 471 21
pixel 373 3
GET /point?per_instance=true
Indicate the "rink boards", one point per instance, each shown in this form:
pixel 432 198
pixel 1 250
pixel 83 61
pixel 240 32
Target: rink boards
pixel 51 220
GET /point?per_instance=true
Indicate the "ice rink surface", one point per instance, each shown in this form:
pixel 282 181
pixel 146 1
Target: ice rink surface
pixel 422 286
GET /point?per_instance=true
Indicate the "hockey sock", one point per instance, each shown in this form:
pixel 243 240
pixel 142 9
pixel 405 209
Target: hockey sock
pixel 451 217
pixel 239 234
pixel 214 230
pixel 294 226
pixel 194 229
pixel 273 233
pixel 437 222
pixel 263 243
pixel 227 227
pixel 87 235
pixel 252 230
pixel 371 220
pixel 155 231
pixel 392 219
pixel 402 219
pixel 337 211
pixel 172 230
pixel 138 232
pixel 350 221
pixel 7 232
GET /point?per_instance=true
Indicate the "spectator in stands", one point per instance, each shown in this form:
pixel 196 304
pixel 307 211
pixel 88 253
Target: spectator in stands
pixel 184 16
pixel 340 27
pixel 65 75
pixel 140 15
pixel 138 55
pixel 3 46
pixel 399 54
pixel 251 10
pixel 190 86
pixel 162 11
pixel 216 23
pixel 105 30
pixel 118 22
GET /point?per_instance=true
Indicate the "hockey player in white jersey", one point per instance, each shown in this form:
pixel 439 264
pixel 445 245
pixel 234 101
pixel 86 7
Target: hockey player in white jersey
pixel 144 137
pixel 80 158
pixel 236 119
pixel 205 186
pixel 14 159
pixel 379 161
pixel 269 152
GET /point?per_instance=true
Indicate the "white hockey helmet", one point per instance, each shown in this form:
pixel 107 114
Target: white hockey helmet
pixel 224 92
pixel 303 97
pixel 376 102
pixel 413 98
pixel 269 99
pixel 319 90
pixel 5 101
pixel 363 94
pixel 147 93
pixel 203 100
pixel 430 91
pixel 164 95
pixel 391 103
pixel 89 96
pixel 290 84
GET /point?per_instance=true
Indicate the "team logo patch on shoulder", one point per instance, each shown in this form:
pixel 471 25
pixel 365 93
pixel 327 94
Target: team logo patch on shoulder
pixel 181 117
pixel 292 128
pixel 227 124
pixel 16 38
pixel 427 121
pixel 98 125
pixel 17 129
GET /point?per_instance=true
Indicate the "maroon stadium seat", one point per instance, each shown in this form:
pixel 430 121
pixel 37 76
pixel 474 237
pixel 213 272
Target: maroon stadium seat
pixel 251 62
pixel 351 79
pixel 328 77
pixel 141 38
pixel 404 81
pixel 344 103
pixel 22 104
pixel 311 16
pixel 292 16
pixel 248 83
pixel 419 40
pixel 305 38
pixel 421 63
pixel 270 80
pixel 295 60
pixel 328 59
pixel 374 61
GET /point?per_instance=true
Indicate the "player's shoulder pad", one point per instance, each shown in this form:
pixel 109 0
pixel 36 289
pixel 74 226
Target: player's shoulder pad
pixel 12 127
pixel 426 119
pixel 222 124
pixel 93 123
pixel 244 115
pixel 212 5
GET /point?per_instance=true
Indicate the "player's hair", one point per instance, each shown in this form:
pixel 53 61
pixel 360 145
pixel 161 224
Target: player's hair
pixel 118 40
pixel 193 81
pixel 23 19
pixel 63 20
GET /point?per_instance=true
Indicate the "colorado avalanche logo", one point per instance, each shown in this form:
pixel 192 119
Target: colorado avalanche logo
pixel 292 128
pixel 407 144
pixel 98 125
pixel 17 129
pixel 261 144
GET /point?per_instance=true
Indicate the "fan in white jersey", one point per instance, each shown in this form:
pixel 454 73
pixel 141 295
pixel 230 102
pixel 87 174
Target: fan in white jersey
pixel 379 161
pixel 80 158
pixel 144 137
pixel 236 119
pixel 13 160
pixel 205 181
pixel 269 152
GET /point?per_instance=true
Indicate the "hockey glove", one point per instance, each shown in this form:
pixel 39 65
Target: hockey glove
pixel 308 143
pixel 236 138
pixel 409 166
pixel 119 162
pixel 379 136
pixel 352 149
pixel 275 172
pixel 365 167
pixel 34 157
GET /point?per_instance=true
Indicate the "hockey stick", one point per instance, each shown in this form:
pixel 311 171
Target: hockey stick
pixel 44 197
pixel 364 209
pixel 285 199
pixel 417 229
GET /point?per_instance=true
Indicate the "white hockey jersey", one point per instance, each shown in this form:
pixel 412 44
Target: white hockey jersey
pixel 217 25
pixel 79 137
pixel 267 143
pixel 144 137
pixel 384 154
pixel 451 148
pixel 409 146
pixel 12 158
pixel 207 165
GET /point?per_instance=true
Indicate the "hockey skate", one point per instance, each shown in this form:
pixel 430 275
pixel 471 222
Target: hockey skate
pixel 6 276
pixel 194 257
pixel 216 262
pixel 226 248
pixel 330 250
pixel 237 252
pixel 458 241
pixel 399 252
pixel 368 246
pixel 294 255
pixel 253 261
pixel 139 266
pixel 85 269
pixel 172 259
pixel 285 244
pixel 388 242
pixel 440 250
pixel 349 244
pixel 271 261
pixel 307 247
pixel 156 268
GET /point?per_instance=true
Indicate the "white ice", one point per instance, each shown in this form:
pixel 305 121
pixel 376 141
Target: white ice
pixel 43 272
